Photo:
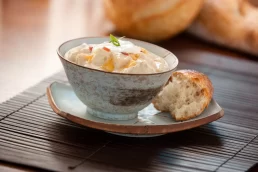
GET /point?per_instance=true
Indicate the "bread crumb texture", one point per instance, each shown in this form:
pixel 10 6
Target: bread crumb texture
pixel 186 95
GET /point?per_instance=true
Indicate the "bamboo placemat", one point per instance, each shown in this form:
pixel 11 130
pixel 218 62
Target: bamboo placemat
pixel 32 134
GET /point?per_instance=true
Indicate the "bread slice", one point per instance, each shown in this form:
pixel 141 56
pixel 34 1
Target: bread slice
pixel 186 95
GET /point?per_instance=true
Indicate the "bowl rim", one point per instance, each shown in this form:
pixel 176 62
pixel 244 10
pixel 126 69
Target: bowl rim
pixel 117 73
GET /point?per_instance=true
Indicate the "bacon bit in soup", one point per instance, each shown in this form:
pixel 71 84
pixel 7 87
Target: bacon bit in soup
pixel 125 53
pixel 90 49
pixel 106 49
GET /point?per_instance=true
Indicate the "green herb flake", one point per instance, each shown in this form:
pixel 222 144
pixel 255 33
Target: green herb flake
pixel 114 40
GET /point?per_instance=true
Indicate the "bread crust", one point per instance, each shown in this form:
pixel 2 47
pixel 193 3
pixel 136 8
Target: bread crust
pixel 202 81
pixel 151 20
pixel 231 23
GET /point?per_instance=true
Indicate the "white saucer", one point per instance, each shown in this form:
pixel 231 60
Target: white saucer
pixel 149 123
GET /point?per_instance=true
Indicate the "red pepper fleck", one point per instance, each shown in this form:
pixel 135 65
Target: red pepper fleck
pixel 125 53
pixel 90 49
pixel 106 49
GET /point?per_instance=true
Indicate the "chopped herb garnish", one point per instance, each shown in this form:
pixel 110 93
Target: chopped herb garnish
pixel 114 40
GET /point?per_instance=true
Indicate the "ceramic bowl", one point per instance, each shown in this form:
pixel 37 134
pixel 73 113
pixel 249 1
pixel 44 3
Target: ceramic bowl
pixel 116 96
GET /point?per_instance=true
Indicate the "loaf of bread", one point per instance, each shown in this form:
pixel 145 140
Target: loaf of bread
pixel 186 95
pixel 230 23
pixel 151 20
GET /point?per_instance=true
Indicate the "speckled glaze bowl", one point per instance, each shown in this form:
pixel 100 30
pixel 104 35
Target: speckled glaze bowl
pixel 115 96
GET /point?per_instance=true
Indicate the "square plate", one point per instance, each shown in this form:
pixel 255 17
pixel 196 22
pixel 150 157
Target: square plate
pixel 149 123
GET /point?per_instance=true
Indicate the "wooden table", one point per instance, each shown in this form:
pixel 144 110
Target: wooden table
pixel 31 30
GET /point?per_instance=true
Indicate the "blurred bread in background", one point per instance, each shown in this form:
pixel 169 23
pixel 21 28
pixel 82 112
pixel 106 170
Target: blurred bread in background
pixel 232 23
pixel 151 20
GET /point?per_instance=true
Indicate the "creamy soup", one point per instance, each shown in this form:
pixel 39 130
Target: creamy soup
pixel 122 57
